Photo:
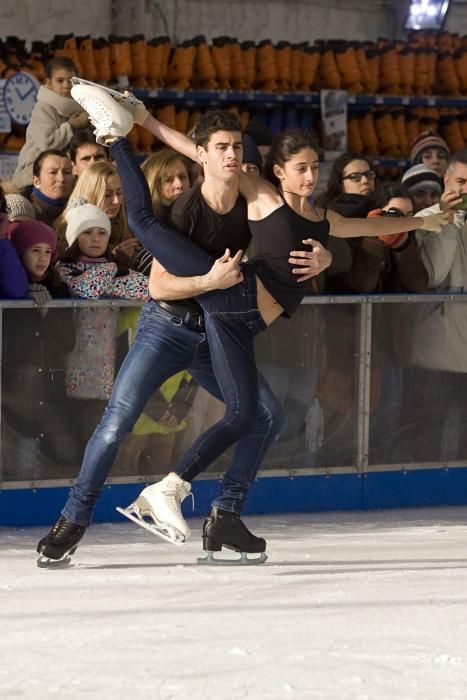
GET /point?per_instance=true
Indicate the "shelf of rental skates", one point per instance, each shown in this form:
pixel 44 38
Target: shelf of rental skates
pixel 396 90
pixel 366 114
pixel 192 98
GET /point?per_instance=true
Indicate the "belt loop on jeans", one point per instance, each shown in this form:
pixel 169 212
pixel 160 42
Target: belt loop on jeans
pixel 187 317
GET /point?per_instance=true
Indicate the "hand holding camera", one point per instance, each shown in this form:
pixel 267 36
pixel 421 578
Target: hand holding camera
pixel 453 200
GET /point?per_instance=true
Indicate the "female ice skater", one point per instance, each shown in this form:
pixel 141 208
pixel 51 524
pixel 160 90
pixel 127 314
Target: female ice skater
pixel 280 219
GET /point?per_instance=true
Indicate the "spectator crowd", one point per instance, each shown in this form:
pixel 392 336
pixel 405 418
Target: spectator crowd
pixel 64 235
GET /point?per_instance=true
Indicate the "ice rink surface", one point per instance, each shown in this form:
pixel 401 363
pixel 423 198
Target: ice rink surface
pixel 367 606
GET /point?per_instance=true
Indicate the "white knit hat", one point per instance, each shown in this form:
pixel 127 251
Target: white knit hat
pixel 82 218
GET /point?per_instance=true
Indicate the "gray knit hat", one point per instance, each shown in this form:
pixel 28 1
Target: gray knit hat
pixel 18 208
pixel 419 177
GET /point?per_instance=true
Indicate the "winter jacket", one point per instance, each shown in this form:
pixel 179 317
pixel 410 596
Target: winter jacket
pixel 46 209
pixel 48 128
pixel 14 281
pixel 374 266
pixel 435 333
pixel 90 367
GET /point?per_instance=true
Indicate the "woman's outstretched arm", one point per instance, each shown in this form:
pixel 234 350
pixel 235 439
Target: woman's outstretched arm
pixel 341 227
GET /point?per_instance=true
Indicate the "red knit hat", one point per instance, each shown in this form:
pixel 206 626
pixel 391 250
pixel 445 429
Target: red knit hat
pixel 29 233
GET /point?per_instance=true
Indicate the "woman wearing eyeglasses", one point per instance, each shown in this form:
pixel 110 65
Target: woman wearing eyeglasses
pixel 361 266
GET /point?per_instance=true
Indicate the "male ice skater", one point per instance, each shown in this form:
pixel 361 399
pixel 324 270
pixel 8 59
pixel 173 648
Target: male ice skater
pixel 170 338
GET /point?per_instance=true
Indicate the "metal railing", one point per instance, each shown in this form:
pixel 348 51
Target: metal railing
pixel 355 400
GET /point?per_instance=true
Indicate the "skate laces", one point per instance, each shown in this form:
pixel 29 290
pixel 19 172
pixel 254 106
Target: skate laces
pixel 98 114
pixel 65 530
pixel 175 494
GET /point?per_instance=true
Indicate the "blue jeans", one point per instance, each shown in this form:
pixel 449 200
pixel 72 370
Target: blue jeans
pixel 231 317
pixel 165 345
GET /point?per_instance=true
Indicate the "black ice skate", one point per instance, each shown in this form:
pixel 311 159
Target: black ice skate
pixel 62 540
pixel 225 529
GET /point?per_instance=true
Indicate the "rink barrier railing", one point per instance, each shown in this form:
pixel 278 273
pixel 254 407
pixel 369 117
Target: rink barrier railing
pixel 360 469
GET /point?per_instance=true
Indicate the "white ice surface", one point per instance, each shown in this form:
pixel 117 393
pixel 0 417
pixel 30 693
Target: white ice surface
pixel 367 606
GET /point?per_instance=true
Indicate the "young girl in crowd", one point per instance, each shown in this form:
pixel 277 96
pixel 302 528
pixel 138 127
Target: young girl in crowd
pixel 54 118
pixel 100 185
pixel 90 271
pixel 35 343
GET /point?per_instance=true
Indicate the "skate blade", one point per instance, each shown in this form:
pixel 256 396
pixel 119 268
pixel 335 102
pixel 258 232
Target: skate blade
pixel 44 562
pixel 211 560
pixel 119 96
pixel 165 532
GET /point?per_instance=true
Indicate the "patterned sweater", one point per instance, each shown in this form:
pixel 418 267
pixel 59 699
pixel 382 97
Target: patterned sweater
pixel 90 367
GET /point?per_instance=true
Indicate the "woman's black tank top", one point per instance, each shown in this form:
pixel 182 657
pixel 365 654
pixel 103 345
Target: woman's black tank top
pixel 273 238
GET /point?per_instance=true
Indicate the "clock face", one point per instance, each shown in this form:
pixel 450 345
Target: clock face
pixel 20 93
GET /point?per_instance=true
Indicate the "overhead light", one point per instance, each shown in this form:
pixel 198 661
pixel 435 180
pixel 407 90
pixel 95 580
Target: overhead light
pixel 427 14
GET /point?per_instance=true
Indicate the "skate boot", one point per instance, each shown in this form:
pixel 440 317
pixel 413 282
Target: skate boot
pixel 126 99
pixel 161 503
pixel 61 541
pixel 225 529
pixel 109 117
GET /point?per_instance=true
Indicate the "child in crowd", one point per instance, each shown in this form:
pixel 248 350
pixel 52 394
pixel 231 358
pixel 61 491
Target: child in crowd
pixel 90 271
pixel 36 436
pixel 54 118
pixel 100 184
pixel 35 244
pixel 13 277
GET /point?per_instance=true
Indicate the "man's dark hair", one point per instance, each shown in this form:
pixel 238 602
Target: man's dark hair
pixel 259 132
pixel 59 63
pixel 212 121
pixel 81 137
pixel 388 191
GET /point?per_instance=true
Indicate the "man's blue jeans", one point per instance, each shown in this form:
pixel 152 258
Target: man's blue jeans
pixel 165 345
pixel 232 318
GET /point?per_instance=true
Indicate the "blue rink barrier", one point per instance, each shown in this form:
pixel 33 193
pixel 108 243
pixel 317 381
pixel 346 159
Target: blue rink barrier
pixel 414 488
pixel 368 426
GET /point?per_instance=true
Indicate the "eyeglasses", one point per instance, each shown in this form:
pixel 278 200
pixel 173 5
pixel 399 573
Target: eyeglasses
pixel 356 177
pixel 394 212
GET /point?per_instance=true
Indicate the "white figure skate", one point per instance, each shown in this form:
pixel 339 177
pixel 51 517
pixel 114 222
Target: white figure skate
pixel 111 118
pixel 126 99
pixel 123 98
pixel 161 503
